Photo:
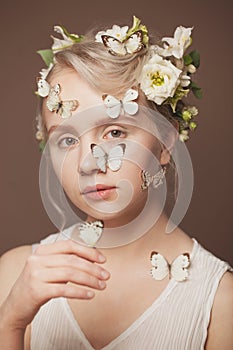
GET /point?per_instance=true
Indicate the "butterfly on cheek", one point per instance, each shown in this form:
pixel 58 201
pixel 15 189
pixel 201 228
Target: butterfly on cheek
pixel 114 106
pixel 55 104
pixel 130 45
pixel 178 269
pixel 111 160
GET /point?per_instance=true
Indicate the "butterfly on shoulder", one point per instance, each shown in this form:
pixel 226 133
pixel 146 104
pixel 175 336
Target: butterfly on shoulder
pixel 112 159
pixel 178 269
pixel 132 44
pixel 128 104
pixel 55 104
pixel 90 232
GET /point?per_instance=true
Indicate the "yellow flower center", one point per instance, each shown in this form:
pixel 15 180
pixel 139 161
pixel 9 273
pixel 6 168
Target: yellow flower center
pixel 157 79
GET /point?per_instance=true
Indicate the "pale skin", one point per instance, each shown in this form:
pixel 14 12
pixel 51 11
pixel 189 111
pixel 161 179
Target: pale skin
pixel 30 280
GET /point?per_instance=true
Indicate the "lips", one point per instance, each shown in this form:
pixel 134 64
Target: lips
pixel 99 191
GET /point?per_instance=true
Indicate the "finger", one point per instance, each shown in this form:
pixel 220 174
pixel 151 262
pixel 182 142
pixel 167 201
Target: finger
pixel 67 290
pixel 68 274
pixel 73 261
pixel 70 247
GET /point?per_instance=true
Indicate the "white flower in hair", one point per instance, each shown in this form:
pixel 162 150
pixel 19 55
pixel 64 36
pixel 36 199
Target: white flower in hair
pixel 60 44
pixel 183 136
pixel 116 32
pixel 177 45
pixel 159 79
pixel 45 71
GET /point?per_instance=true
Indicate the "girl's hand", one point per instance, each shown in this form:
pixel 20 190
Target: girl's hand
pixel 61 269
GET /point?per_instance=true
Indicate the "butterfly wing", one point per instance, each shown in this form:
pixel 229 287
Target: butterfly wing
pixel 134 43
pixel 67 107
pixel 91 232
pixel 113 106
pixel 179 267
pixel 101 157
pixel 160 267
pixel 115 157
pixel 43 87
pixel 146 179
pixel 53 101
pixel 115 46
pixel 129 106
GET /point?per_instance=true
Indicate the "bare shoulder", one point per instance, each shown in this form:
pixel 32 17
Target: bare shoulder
pixel 221 323
pixel 11 265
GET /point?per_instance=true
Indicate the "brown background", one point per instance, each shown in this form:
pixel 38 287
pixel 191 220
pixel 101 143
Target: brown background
pixel 25 28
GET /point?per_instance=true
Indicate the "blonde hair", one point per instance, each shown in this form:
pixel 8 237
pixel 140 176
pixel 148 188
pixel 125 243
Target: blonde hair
pixel 100 69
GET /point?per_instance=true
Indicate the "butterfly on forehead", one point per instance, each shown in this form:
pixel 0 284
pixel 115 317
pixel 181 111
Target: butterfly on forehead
pixel 112 159
pixel 114 106
pixel 130 45
pixel 55 104
pixel 178 269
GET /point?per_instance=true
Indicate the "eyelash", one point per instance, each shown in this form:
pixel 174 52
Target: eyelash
pixel 64 139
pixel 123 133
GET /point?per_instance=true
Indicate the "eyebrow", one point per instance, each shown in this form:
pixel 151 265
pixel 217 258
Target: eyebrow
pixel 70 128
pixel 62 129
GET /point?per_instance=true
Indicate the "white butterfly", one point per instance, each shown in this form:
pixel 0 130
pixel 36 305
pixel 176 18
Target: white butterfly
pixel 178 269
pixel 112 159
pixel 130 45
pixel 90 232
pixel 114 105
pixel 156 180
pixel 63 108
pixel 43 87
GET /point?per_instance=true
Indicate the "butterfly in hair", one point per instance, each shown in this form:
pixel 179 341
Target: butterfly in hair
pixel 127 103
pixel 112 159
pixel 178 269
pixel 90 232
pixel 43 87
pixel 132 44
pixel 55 104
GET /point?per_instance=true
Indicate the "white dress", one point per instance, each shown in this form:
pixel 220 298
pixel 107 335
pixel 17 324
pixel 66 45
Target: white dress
pixel 177 320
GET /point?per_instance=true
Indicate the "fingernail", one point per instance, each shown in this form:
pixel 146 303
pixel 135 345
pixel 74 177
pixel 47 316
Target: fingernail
pixel 104 274
pixel 101 258
pixel 102 284
pixel 90 294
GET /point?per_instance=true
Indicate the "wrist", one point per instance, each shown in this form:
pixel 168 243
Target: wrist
pixel 8 320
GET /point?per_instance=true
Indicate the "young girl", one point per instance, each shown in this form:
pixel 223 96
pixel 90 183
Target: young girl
pixel 120 273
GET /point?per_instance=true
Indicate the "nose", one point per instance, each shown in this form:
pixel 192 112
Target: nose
pixel 87 163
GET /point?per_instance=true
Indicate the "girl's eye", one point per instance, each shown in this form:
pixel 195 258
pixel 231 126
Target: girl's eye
pixel 67 142
pixel 115 134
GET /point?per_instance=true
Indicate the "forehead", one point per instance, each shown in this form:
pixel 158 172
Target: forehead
pixel 73 87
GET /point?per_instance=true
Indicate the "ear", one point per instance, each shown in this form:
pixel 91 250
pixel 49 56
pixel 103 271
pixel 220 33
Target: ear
pixel 166 150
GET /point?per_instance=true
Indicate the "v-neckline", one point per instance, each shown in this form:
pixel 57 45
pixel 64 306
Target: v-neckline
pixel 136 323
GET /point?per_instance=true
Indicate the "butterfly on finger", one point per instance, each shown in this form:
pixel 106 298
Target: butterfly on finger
pixel 55 104
pixel 178 269
pixel 114 106
pixel 130 45
pixel 112 159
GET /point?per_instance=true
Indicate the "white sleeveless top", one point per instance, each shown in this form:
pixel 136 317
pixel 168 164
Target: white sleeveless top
pixel 177 320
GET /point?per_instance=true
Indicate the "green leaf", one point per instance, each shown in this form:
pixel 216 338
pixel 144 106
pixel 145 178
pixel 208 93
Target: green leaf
pixel 42 145
pixel 197 91
pixel 187 60
pixel 47 56
pixel 195 58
